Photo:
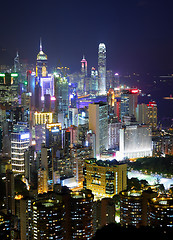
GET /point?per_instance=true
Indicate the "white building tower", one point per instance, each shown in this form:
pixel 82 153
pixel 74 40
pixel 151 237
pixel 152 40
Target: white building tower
pixel 102 68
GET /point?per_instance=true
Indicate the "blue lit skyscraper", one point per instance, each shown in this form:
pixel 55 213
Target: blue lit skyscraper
pixel 102 68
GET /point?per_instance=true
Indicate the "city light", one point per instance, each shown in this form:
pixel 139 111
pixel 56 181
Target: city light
pixel 14 74
pixel 24 136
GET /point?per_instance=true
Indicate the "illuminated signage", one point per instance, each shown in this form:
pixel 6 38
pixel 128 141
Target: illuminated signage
pixel 53 126
pixel 24 136
pixel 134 91
pixel 14 74
pixel 53 98
pixel 55 130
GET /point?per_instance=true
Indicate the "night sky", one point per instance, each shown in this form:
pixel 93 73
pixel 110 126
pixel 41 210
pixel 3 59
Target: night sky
pixel 138 33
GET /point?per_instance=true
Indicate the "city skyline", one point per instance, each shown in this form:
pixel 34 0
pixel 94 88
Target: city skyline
pixel 137 34
pixel 86 121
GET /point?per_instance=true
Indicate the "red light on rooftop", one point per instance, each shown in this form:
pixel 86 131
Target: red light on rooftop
pixel 152 104
pixel 134 91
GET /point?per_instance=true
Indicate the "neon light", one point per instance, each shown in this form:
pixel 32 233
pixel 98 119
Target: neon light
pixel 24 136
pixel 2 74
pixel 14 74
pixel 55 130
pixel 53 98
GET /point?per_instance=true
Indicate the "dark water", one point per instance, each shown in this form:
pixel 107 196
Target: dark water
pixel 155 88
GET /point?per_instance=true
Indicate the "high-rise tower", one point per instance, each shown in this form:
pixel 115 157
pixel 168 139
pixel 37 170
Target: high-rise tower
pixel 16 63
pixel 84 66
pixel 102 68
pixel 98 123
pixel 41 64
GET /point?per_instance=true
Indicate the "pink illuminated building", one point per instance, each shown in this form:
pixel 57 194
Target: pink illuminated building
pixel 84 66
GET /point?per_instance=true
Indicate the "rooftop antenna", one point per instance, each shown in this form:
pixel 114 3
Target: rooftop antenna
pixel 40 44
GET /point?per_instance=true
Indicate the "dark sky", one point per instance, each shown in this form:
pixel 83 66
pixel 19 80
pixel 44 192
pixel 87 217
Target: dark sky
pixel 138 33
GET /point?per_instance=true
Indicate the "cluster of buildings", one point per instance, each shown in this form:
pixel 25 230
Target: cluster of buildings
pixel 145 208
pixel 61 133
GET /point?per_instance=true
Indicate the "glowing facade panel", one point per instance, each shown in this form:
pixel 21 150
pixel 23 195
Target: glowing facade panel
pixel 135 141
pixel 47 86
pixel 43 117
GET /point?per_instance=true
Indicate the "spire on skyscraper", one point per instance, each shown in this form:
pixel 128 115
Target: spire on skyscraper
pixel 40 44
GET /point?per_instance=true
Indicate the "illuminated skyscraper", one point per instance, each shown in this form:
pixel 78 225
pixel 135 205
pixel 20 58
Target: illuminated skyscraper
pixel 94 80
pixel 41 64
pixel 84 66
pixel 42 181
pixel 134 207
pixel 129 100
pixel 26 214
pixel 82 214
pixel 16 63
pixel 152 114
pixel 102 68
pixel 48 215
pixel 62 99
pixel 19 144
pixel 98 123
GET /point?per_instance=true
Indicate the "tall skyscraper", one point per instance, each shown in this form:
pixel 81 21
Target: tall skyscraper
pixel 98 123
pixel 42 181
pixel 82 214
pixel 48 215
pixel 84 66
pixel 102 68
pixel 41 64
pixel 94 80
pixel 129 100
pixel 10 201
pixel 19 144
pixel 16 63
pixel 152 114
pixel 62 99
pixel 26 218
pixel 134 207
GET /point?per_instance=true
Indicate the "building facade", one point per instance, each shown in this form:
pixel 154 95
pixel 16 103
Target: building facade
pixel 48 216
pixel 105 178
pixel 19 144
pixel 82 215
pixel 102 68
pixel 98 123
pixel 135 142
